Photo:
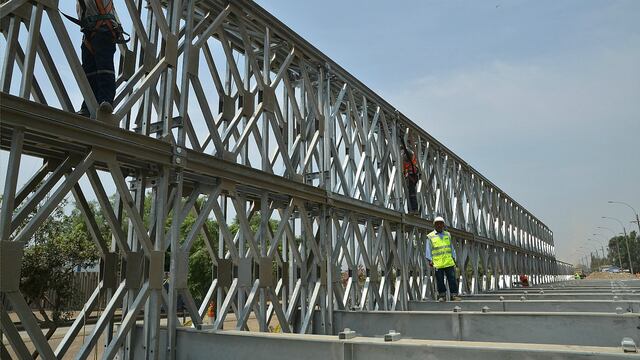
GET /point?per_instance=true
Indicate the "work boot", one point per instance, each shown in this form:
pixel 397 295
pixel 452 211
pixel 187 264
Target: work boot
pixel 105 107
pixel 105 113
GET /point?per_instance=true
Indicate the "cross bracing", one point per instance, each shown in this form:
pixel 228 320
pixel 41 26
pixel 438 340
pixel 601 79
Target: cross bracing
pixel 222 102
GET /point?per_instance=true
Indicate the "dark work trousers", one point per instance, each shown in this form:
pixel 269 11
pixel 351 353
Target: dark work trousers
pixel 450 273
pixel 413 201
pixel 97 63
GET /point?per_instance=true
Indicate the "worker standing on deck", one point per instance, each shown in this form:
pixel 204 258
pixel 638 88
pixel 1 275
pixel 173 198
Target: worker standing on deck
pixel 411 175
pixel 101 33
pixel 442 255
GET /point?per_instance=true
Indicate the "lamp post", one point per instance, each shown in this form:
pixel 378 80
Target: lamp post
pixel 614 235
pixel 579 252
pixel 592 258
pixel 618 247
pixel 624 230
pixel 630 207
pixel 582 251
pixel 604 254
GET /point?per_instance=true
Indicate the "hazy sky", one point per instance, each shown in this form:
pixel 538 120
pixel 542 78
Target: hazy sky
pixel 541 97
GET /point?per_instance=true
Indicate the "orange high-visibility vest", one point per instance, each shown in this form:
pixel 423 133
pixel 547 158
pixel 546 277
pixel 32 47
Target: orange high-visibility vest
pixel 410 167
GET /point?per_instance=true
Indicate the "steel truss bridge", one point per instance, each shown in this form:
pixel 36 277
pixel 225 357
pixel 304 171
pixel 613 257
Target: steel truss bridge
pixel 224 112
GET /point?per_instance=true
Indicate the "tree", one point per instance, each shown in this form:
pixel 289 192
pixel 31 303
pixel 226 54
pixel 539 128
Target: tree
pixel 60 246
pixel 621 243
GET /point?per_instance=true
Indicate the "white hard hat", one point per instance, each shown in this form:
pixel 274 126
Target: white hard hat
pixel 438 219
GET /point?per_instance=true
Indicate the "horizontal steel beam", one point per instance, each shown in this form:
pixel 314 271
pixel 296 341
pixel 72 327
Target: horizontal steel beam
pixel 194 344
pixel 577 291
pixel 556 296
pixel 589 329
pixel 529 305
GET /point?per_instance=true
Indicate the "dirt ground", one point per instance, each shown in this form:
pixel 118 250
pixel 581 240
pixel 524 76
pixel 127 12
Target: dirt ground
pixel 611 276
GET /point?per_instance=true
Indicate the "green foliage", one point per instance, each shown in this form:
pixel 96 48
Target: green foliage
pixel 200 263
pixel 621 243
pixel 61 245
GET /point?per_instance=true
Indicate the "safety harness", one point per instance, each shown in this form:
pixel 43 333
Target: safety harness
pixel 409 166
pixel 89 24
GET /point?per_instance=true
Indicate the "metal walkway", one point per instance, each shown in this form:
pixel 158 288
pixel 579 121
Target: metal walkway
pixel 224 112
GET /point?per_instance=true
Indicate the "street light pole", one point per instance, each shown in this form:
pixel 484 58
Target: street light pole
pixel 634 212
pixel 617 246
pixel 624 230
pixel 604 254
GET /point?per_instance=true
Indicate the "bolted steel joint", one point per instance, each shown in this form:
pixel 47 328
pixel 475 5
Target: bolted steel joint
pixel 346 334
pixel 392 336
pixel 628 345
pixel 619 310
pixel 179 156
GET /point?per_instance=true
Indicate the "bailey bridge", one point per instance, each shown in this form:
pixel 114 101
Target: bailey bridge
pixel 224 112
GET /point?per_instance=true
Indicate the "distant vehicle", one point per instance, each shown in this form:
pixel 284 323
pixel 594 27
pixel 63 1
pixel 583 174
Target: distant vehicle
pixel 612 269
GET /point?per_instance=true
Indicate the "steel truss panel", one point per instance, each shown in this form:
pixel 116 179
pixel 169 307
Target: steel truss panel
pixel 224 112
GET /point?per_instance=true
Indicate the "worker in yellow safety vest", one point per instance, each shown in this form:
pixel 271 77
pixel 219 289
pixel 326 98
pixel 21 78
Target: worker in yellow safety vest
pixel 442 255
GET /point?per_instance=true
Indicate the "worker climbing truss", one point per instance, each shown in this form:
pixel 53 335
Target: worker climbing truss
pixel 220 102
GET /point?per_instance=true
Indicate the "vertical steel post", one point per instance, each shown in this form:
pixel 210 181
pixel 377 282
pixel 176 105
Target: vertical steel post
pixel 30 55
pixel 174 13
